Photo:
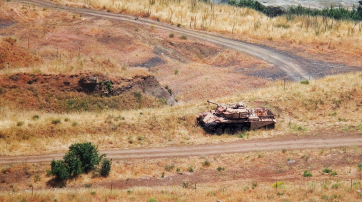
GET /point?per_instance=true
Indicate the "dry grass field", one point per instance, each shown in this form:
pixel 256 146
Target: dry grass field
pixel 319 38
pixel 44 42
pixel 228 177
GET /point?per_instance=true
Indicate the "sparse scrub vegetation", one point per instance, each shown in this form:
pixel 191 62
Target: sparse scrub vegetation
pixel 307 173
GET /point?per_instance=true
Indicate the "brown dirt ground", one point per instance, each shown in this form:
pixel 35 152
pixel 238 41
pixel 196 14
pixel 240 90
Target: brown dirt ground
pixel 260 167
pixel 69 43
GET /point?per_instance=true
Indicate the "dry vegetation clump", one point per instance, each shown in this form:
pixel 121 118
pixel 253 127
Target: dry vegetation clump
pixel 11 55
pixel 316 37
pixel 301 109
pixel 253 175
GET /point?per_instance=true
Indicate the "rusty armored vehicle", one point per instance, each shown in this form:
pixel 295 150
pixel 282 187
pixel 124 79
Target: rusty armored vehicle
pixel 235 118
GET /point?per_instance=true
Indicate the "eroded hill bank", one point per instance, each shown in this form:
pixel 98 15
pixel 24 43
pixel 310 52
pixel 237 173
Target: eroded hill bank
pixel 85 91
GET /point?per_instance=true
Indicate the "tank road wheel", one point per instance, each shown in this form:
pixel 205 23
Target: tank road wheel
pixel 227 131
pixel 209 127
pixel 218 131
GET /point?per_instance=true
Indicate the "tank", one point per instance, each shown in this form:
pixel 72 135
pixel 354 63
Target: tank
pixel 235 118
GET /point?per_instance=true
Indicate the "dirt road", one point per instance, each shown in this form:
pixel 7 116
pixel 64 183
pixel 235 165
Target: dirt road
pixel 292 66
pixel 241 146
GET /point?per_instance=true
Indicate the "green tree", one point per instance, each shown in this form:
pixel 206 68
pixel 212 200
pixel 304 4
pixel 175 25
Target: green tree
pixel 81 157
pixel 59 170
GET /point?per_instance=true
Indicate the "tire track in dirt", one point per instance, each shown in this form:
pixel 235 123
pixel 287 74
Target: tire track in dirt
pixel 291 66
pixel 242 146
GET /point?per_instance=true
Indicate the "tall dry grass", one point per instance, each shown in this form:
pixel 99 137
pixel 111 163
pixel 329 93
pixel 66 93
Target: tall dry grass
pixel 334 40
pixel 332 103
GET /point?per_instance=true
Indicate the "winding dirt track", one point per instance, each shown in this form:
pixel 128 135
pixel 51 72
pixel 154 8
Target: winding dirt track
pixel 292 67
pixel 241 146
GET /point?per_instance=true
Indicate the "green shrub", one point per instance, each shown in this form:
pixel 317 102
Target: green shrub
pixel 178 25
pixel 333 174
pixel 220 168
pixel 20 123
pixel 87 154
pixel 105 167
pixel 59 169
pixel 307 173
pixel 327 170
pixel 184 37
pixel 335 186
pixel 171 35
pixel 169 167
pixel 359 166
pixel 36 117
pixel 56 121
pixel 152 200
pixel 206 163
pixel 191 169
pixel 81 157
pixel 305 82
pixel 73 163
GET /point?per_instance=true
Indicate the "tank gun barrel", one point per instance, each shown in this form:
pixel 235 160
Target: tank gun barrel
pixel 218 104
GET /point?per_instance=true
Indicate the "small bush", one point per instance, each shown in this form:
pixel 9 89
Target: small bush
pixel 306 82
pixel 254 185
pixel 105 167
pixel 327 170
pixel 171 35
pixel 240 135
pixel 88 185
pixel 152 200
pixel 178 25
pixel 66 119
pixel 333 174
pixel 170 167
pixel 184 37
pixel 74 124
pixel 191 169
pixel 176 71
pixel 284 150
pixel 307 173
pixel 36 117
pixel 220 168
pixel 3 181
pixel 56 121
pixel 206 163
pixel 335 186
pixel 36 178
pixel 359 166
pixel 20 123
pixel 93 192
